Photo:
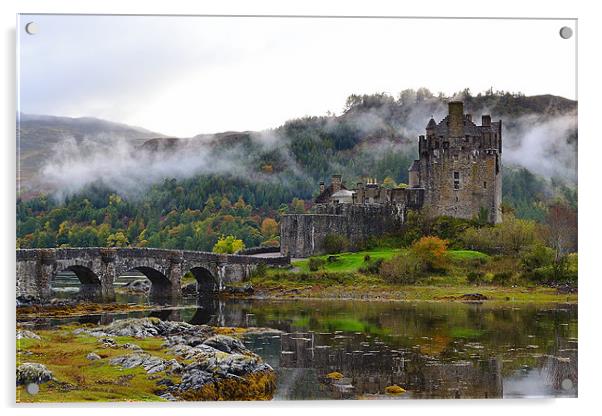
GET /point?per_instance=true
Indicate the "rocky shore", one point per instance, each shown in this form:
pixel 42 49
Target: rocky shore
pixel 139 359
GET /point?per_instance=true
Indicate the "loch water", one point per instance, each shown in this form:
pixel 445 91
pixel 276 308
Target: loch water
pixel 430 349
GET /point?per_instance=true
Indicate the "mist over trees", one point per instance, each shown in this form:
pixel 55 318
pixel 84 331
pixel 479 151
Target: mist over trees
pixel 187 193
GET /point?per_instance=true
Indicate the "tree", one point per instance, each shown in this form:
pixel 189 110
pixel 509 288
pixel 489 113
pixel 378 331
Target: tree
pixel 560 234
pixel 269 227
pixel 228 245
pixel 432 251
pixel 389 183
pixel 298 206
pixel 118 239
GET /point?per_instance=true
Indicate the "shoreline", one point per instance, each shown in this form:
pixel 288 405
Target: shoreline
pixel 412 293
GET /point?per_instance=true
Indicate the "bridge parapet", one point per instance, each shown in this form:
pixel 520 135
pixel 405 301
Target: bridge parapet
pixel 98 267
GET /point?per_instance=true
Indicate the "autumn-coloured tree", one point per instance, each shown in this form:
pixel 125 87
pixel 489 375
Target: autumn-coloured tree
pixel 228 245
pixel 297 206
pixel 560 233
pixel 269 227
pixel 118 239
pixel 432 251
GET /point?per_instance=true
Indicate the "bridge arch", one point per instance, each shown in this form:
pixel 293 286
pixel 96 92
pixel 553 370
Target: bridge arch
pixel 160 283
pixel 90 285
pixel 206 281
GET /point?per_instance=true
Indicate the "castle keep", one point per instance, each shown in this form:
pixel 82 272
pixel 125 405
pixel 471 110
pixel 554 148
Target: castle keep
pixel 458 174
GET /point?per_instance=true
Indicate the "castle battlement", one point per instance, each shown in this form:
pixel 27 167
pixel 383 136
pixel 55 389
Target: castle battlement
pixel 457 174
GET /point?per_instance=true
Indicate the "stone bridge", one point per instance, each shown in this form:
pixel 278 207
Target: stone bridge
pixel 97 268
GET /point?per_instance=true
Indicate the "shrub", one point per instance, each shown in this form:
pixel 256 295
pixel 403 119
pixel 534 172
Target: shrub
pixel 366 258
pixel 510 236
pixel 536 256
pixel 404 268
pixel 335 244
pixel 260 270
pixel 476 278
pixel 371 267
pixel 316 263
pixel 432 252
pixel 502 278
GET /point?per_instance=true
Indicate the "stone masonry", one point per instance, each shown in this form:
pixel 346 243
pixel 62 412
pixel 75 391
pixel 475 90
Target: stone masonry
pixel 97 269
pixel 457 174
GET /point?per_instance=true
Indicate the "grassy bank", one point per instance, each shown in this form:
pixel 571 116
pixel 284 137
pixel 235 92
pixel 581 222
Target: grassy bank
pixel 343 276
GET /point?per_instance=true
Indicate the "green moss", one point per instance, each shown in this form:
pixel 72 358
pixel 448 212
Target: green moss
pixel 469 333
pixel 79 379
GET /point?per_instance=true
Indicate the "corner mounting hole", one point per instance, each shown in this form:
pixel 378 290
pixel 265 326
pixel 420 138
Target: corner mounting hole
pixel 31 28
pixel 566 32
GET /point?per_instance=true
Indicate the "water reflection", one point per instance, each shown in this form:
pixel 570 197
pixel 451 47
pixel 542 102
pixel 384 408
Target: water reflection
pixel 433 350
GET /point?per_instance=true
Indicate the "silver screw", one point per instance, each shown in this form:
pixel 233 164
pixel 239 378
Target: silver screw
pixel 566 32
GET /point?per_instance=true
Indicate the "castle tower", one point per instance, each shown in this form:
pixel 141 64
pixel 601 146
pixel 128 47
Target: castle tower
pixel 460 166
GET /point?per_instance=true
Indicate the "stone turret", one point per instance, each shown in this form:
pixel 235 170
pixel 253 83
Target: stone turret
pixel 336 183
pixel 456 119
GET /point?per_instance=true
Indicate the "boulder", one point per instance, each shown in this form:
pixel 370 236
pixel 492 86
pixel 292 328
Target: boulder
pixel 151 364
pixel 93 356
pixel 226 344
pixel 25 334
pixel 150 327
pixel 139 285
pixel 246 289
pixel 473 296
pixel 28 300
pixel 33 373
pixel 189 289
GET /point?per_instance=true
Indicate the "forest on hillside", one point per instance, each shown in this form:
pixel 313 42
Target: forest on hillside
pixel 261 179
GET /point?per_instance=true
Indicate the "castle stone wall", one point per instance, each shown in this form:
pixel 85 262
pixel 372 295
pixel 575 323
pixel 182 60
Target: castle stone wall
pixel 302 235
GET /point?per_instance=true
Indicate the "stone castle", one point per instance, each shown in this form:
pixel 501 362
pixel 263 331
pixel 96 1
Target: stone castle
pixel 458 174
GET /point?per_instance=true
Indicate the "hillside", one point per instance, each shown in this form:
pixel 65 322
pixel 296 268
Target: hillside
pixel 132 187
pixel 39 136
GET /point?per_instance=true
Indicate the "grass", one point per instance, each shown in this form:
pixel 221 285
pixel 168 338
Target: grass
pixel 342 279
pixel 347 262
pixel 79 379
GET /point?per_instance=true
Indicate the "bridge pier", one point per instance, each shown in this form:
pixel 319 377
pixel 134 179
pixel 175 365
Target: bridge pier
pixel 97 269
pixel 107 274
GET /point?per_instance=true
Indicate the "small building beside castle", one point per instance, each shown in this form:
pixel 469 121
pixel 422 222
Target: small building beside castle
pixel 457 174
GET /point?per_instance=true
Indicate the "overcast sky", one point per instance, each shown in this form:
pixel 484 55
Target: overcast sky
pixel 183 76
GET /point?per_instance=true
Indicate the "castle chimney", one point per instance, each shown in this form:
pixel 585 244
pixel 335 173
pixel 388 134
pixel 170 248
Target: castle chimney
pixel 486 120
pixel 456 119
pixel 321 187
pixel 336 183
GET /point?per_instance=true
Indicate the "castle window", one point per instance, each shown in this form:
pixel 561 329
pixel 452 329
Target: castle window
pixel 456 180
pixel 456 156
pixel 485 185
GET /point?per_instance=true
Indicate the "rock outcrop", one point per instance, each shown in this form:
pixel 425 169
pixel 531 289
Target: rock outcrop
pixel 33 373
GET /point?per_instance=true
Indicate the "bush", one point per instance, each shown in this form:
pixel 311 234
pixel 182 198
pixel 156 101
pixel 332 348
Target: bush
pixel 404 268
pixel 366 258
pixel 510 236
pixel 335 244
pixel 371 267
pixel 432 252
pixel 565 272
pixel 476 278
pixel 316 263
pixel 536 256
pixel 502 278
pixel 260 270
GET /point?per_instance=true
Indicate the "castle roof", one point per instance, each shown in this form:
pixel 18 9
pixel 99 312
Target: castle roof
pixel 325 196
pixel 342 192
pixel 470 128
pixel 432 124
pixel 415 166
